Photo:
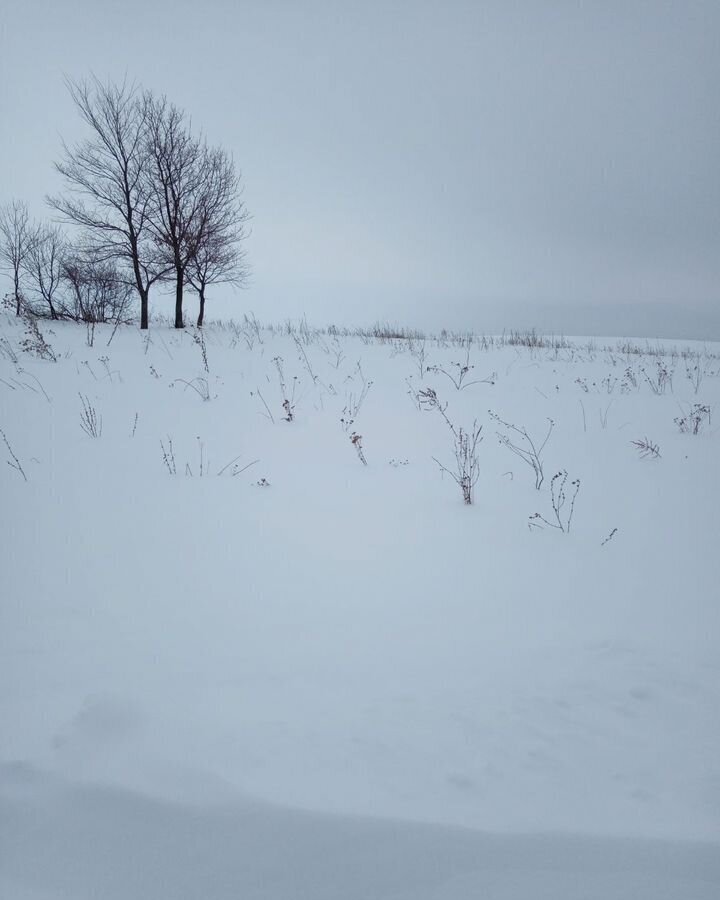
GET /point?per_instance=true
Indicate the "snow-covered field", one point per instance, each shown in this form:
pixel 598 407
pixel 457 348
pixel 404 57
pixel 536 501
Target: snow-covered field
pixel 241 663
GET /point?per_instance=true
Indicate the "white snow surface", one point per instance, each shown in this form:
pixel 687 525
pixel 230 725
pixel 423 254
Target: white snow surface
pixel 315 678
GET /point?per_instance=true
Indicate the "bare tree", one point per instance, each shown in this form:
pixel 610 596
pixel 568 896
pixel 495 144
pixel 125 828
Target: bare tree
pixel 150 196
pixel 179 172
pixel 14 245
pixel 218 257
pixel 44 266
pixel 107 176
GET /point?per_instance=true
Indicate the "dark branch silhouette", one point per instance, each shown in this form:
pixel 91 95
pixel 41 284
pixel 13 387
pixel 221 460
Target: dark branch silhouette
pixel 107 179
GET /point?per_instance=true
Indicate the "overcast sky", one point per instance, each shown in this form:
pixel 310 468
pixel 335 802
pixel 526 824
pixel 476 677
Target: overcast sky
pixel 481 165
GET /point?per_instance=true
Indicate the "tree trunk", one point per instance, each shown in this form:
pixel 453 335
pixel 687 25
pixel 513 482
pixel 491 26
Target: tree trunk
pixel 144 317
pixel 18 301
pixel 201 314
pixel 179 299
pixel 139 283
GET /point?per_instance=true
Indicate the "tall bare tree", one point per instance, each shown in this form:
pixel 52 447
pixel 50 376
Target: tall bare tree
pixel 44 266
pixel 107 177
pixel 179 172
pixel 14 245
pixel 218 257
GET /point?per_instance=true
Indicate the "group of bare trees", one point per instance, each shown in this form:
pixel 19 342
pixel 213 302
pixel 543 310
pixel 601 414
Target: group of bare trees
pixel 149 202
pixel 51 277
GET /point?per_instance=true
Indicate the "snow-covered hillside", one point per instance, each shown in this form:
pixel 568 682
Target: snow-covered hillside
pixel 238 662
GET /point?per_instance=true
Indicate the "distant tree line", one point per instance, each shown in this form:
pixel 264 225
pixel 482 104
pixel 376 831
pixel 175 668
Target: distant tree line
pixel 150 203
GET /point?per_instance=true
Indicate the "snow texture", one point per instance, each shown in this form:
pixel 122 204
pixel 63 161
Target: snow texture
pixel 315 678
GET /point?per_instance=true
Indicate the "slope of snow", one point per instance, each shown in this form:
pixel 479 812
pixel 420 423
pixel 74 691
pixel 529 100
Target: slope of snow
pixel 78 843
pixel 352 641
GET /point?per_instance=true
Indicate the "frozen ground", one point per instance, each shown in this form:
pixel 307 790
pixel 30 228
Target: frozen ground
pixel 314 678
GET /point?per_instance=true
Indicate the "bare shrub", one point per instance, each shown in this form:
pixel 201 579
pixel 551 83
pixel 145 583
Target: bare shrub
pixel 200 385
pixel 288 402
pixel 199 341
pixel 694 372
pixel 629 380
pixel 414 394
pixel 202 465
pixel 90 419
pixel 534 341
pixel 34 341
pixel 693 421
pixel 563 504
pixel 462 371
pixel 603 414
pixel 647 448
pixel 465 445
pixel 251 330
pixel 356 441
pixel 168 455
pixel 524 446
pixel 419 354
pixel 303 357
pixel 337 353
pixel 95 291
pixel 355 399
pixel 384 331
pixel 662 378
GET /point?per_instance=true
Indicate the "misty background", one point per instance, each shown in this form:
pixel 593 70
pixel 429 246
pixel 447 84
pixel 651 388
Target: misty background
pixel 485 166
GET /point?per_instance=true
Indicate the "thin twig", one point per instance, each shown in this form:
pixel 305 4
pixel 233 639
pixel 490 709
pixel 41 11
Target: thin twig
pixel 239 471
pixel 269 414
pixel 15 464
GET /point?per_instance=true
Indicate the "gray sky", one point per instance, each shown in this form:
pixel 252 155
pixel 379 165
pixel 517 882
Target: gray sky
pixel 485 165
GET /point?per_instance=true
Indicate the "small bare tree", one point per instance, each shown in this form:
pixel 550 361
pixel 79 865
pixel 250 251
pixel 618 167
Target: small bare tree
pixel 43 265
pixel 217 256
pixel 14 245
